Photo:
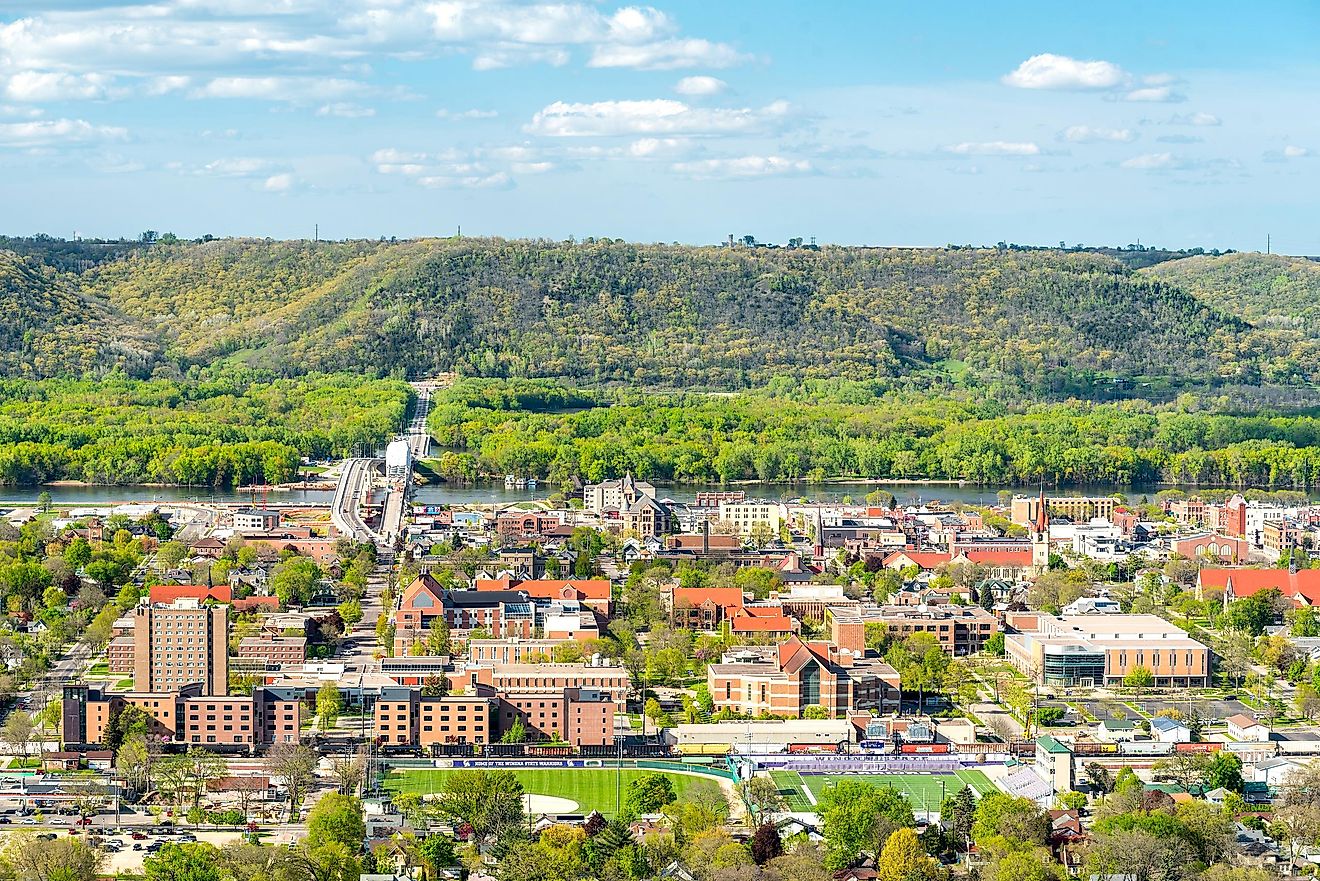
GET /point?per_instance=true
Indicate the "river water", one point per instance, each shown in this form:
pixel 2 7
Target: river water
pixel 496 493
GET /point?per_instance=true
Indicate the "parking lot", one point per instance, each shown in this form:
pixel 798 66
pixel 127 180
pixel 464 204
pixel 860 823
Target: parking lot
pixel 1206 706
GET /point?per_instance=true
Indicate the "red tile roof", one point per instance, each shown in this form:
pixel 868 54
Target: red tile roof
pixel 922 559
pixel 1000 558
pixel 168 593
pixel 1302 587
pixel 727 598
pixel 761 624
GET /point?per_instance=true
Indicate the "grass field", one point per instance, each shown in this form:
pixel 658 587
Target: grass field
pixel 922 790
pixel 592 788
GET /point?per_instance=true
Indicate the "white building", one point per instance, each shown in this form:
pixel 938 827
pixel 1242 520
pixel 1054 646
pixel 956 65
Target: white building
pixel 747 514
pixel 1246 728
pixel 615 495
pixel 256 520
pixel 398 460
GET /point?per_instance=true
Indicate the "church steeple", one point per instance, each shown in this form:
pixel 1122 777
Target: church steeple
pixel 1040 534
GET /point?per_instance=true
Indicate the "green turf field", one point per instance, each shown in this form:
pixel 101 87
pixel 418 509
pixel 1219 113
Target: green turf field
pixel 592 788
pixel 922 790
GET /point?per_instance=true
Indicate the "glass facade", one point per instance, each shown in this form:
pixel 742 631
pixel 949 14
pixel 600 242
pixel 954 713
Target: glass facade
pixel 1074 666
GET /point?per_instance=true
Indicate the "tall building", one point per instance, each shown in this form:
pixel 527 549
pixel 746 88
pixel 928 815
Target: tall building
pixel 615 495
pixel 180 644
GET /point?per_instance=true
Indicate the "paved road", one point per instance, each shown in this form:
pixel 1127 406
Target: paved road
pixel 355 482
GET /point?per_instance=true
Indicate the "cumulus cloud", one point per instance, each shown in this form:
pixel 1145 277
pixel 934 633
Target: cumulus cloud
pixel 497 181
pixel 653 117
pixel 1292 151
pixel 236 167
pixel 647 148
pixel 1154 95
pixel 467 114
pixel 743 167
pixel 1085 134
pixel 698 86
pixel 275 88
pixel 51 132
pixel 1198 119
pixel 345 110
pixel 667 55
pixel 278 183
pixel 1049 71
pixel 35 85
pixel 994 148
pixel 1151 162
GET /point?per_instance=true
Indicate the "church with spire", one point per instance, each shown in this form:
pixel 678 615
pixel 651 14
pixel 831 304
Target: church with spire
pixel 1040 535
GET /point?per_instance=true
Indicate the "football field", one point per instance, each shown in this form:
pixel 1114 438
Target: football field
pixel 924 791
pixel 552 789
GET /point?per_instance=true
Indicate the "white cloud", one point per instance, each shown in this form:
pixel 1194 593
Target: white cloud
pixel 496 181
pixel 652 117
pixel 25 112
pixel 467 114
pixel 1151 162
pixel 49 132
pixel 994 148
pixel 274 88
pixel 1199 119
pixel 743 167
pixel 1085 134
pixel 645 148
pixel 278 183
pixel 236 167
pixel 532 167
pixel 1049 71
pixel 165 85
pixel 697 86
pixel 1294 152
pixel 667 55
pixel 36 85
pixel 345 110
pixel 1155 95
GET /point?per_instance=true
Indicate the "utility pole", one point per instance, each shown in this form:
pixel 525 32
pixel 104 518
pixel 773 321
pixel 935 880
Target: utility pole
pixel 316 233
pixel 1267 243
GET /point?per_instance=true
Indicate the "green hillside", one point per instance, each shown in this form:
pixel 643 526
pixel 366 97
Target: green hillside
pixel 1267 290
pixel 1042 322
pixel 49 327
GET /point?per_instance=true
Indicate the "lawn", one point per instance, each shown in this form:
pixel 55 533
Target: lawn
pixel 591 788
pixel 922 790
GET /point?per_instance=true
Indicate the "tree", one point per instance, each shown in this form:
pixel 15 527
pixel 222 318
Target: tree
pixel 24 857
pixel 1033 864
pixel 437 638
pixel 762 798
pixel 766 844
pixel 295 581
pixel 295 765
pixel 1139 677
pixel 856 817
pixel 1225 770
pixel 649 793
pixel 490 802
pixel 183 862
pixel 329 704
pixel 815 711
pixel 336 818
pixel 1099 777
pixel 438 851
pixel 18 731
pixel 903 859
pixel 1188 770
pixel 349 771
pixel 1072 800
pixel 1307 700
pixel 199 765
pixel 515 733
pixel 134 761
pixel 995 645
pixel 435 686
pixel 1015 819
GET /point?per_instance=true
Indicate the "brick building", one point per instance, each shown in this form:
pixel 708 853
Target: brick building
pixel 960 630
pixel 785 680
pixel 274 649
pixel 181 644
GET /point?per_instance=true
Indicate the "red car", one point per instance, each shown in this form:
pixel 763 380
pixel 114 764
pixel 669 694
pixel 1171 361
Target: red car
pixel 138 836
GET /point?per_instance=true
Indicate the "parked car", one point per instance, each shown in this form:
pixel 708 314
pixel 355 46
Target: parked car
pixel 138 836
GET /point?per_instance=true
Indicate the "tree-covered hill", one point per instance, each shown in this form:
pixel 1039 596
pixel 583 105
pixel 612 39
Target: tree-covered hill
pixel 1268 290
pixel 50 327
pixel 1039 322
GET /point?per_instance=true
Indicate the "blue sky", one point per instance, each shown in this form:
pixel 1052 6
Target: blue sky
pixel 1176 124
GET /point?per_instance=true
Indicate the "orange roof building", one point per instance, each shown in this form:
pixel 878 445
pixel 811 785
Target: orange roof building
pixel 168 593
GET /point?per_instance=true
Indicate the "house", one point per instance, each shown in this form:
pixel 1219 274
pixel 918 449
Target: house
pixel 1245 727
pixel 1116 730
pixel 1165 730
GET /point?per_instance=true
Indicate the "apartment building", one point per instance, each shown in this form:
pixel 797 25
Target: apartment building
pixel 1024 510
pixel 785 680
pixel 119 654
pixel 960 630
pixel 256 520
pixel 512 651
pixel 1086 650
pixel 615 495
pixel 267 716
pixel 549 679
pixel 180 644
pixel 274 649
pixel 746 515
pixel 577 716
pixel 403 717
